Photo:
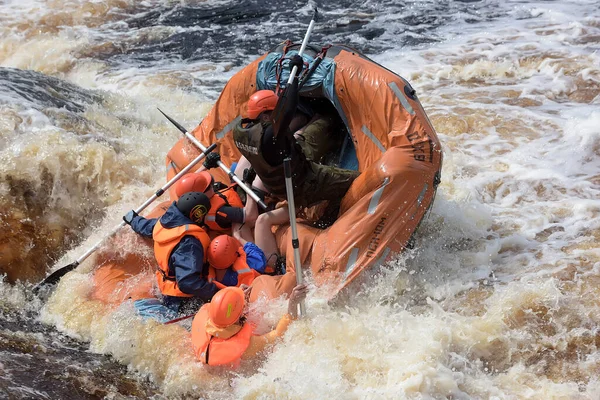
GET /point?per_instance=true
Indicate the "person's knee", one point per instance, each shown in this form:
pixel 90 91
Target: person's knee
pixel 262 220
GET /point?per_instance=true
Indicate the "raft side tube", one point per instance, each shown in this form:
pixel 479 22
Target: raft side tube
pixel 400 156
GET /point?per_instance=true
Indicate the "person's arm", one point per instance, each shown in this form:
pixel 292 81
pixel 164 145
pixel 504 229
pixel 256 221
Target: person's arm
pixel 143 226
pixel 230 278
pixel 187 261
pixel 275 149
pixel 283 116
pixel 227 215
pixel 258 343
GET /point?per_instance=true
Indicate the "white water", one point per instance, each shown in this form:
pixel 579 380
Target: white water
pixel 498 300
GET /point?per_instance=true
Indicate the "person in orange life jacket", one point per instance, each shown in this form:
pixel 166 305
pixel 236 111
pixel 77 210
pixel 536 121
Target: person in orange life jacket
pixel 234 263
pixel 180 248
pixel 221 335
pixel 227 211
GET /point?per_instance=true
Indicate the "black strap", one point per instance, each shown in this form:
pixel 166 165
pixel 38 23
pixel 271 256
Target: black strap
pixel 207 348
pixel 165 276
pixel 222 196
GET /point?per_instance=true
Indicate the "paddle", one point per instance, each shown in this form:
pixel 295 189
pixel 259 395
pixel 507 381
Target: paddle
pixel 288 100
pixel 178 319
pixel 287 168
pixel 312 69
pixel 59 273
pixel 231 175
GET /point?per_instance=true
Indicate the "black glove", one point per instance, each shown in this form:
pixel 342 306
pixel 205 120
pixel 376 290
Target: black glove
pixel 249 175
pixel 129 217
pixel 212 160
pixel 297 61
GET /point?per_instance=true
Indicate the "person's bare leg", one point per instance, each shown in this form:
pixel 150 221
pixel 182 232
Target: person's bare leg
pixel 250 208
pixel 242 164
pixel 242 232
pixel 263 235
pixel 250 211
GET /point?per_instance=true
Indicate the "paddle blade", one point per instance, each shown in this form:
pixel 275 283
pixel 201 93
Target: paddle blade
pixel 286 108
pixel 181 128
pixel 54 277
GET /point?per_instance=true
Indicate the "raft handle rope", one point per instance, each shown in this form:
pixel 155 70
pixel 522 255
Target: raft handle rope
pixel 279 66
pixel 59 273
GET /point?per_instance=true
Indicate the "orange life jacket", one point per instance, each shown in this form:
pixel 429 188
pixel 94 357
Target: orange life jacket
pixel 214 351
pixel 165 240
pixel 227 197
pixel 245 274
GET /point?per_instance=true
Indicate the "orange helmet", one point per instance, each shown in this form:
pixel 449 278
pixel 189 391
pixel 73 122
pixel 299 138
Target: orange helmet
pixel 223 251
pixel 194 182
pixel 263 100
pixel 226 307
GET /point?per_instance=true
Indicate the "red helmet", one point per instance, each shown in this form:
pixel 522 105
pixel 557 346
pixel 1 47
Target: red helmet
pixel 194 182
pixel 226 307
pixel 263 100
pixel 223 251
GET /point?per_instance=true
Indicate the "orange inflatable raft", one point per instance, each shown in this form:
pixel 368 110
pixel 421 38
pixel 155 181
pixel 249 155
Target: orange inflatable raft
pixel 389 140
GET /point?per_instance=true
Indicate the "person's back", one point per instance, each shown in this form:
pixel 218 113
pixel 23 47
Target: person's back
pixel 180 249
pixel 222 337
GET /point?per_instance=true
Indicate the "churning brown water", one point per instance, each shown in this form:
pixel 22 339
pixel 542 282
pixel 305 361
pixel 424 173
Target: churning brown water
pixel 500 297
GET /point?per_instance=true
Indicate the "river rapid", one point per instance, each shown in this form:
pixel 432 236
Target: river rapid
pixel 499 299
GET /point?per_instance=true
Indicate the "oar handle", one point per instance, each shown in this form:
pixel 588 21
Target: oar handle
pixel 292 211
pixel 184 171
pixel 312 69
pixel 304 43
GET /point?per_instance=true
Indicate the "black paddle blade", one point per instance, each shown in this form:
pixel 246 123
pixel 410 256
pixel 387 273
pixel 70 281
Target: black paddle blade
pixel 54 277
pixel 285 108
pixel 181 128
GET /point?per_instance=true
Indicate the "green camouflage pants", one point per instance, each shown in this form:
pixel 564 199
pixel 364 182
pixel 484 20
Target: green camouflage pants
pixel 323 182
pixel 319 138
